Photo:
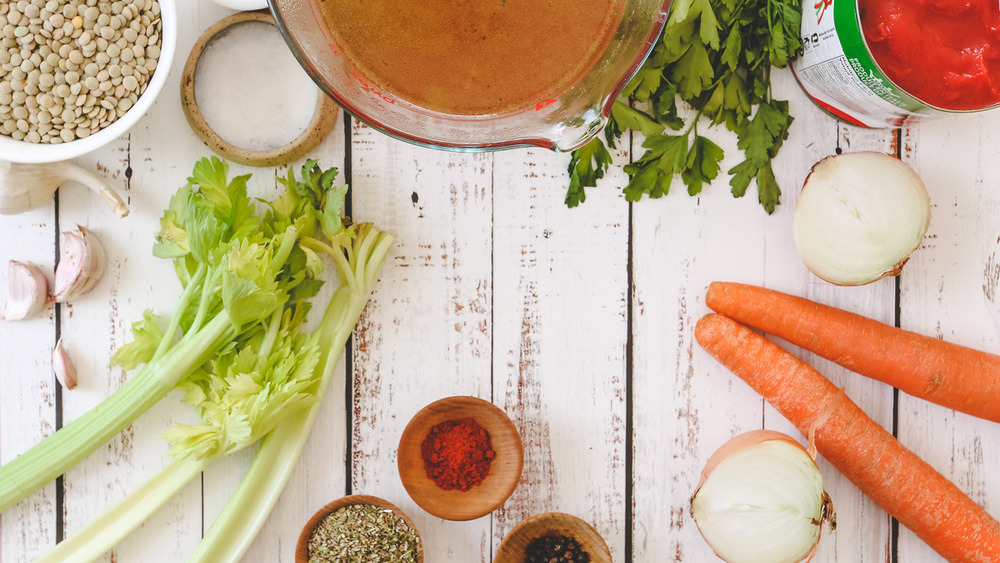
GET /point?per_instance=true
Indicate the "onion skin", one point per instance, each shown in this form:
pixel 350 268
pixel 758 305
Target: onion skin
pixel 885 178
pixel 736 444
pixel 753 438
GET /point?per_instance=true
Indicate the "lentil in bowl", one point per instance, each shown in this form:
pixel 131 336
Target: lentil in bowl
pixel 76 74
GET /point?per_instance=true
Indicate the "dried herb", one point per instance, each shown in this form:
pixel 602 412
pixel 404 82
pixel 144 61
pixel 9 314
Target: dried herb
pixel 555 548
pixel 363 533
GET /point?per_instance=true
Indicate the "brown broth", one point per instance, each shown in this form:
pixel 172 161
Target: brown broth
pixel 472 57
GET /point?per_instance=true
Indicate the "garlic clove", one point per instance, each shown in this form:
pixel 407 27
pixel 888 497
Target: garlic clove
pixel 27 289
pixel 63 367
pixel 81 265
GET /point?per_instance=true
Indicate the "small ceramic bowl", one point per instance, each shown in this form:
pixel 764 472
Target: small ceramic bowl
pixel 25 152
pixel 513 547
pixel 323 119
pixel 478 501
pixel 302 547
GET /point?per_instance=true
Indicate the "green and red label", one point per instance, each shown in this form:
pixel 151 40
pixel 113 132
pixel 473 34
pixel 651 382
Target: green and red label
pixel 838 72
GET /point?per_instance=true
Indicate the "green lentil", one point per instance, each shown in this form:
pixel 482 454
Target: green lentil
pixel 59 58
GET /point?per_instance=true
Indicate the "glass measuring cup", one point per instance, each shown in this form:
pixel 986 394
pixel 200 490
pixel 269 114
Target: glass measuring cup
pixel 562 122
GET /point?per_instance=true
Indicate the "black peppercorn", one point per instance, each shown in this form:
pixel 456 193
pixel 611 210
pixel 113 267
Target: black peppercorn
pixel 555 549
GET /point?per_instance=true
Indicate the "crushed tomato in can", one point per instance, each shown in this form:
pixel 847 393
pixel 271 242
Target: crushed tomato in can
pixel 885 63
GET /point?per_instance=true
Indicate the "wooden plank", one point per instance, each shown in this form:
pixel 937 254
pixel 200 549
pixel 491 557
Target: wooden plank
pixel 28 395
pixel 942 297
pixel 427 333
pixel 148 164
pixel 684 404
pixel 685 399
pixel 863 529
pixel 101 321
pixel 560 329
pixel 320 473
pixel 497 290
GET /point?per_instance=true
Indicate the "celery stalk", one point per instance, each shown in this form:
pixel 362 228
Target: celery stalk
pixel 235 277
pixel 279 450
pixel 65 448
pixel 266 379
pixel 97 537
pixel 236 526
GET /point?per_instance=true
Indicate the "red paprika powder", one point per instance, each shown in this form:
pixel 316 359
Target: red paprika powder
pixel 457 454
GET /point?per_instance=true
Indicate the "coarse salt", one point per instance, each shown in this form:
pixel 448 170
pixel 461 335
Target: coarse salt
pixel 251 90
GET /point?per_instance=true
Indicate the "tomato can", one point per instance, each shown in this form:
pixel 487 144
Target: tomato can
pixel 839 73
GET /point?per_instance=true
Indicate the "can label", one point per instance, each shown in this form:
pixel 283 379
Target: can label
pixel 837 71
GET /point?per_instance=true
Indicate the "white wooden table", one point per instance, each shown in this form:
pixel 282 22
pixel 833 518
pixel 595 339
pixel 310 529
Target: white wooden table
pixel 577 322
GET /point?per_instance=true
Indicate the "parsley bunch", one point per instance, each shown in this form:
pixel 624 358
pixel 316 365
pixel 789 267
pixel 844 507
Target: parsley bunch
pixel 715 55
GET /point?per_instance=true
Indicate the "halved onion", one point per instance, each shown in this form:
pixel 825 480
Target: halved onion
pixel 859 217
pixel 761 500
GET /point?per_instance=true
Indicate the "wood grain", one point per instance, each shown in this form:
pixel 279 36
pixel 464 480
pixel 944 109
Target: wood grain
pixel 517 542
pixel 678 248
pixel 559 355
pixel 941 295
pixel 427 333
pixel 503 474
pixel 28 387
pixel 863 530
pixel 576 322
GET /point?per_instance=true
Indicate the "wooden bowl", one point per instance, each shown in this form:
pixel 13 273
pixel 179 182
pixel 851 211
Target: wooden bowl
pixel 500 482
pixel 512 549
pixel 302 547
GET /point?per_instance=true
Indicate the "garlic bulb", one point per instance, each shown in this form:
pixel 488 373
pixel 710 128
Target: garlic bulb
pixel 63 366
pixel 27 289
pixel 26 186
pixel 81 265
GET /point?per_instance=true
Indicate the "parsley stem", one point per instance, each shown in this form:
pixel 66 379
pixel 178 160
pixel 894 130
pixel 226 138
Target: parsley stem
pixel 694 123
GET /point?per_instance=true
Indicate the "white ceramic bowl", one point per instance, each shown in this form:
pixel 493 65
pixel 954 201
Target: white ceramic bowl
pixel 22 151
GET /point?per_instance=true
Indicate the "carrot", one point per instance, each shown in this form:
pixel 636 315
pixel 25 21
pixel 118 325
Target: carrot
pixel 908 488
pixel 947 374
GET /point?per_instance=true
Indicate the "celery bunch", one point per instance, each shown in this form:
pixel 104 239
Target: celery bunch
pixel 235 344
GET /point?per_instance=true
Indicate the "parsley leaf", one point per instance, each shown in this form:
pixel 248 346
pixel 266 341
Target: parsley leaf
pixel 760 142
pixel 715 56
pixel 702 164
pixel 586 166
